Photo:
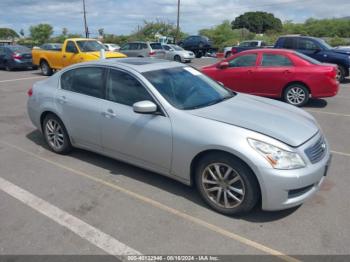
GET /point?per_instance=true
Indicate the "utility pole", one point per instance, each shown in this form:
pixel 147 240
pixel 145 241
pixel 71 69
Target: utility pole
pixel 178 21
pixel 85 23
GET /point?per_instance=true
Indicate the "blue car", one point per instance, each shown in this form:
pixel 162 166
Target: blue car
pixel 318 49
pixel 15 56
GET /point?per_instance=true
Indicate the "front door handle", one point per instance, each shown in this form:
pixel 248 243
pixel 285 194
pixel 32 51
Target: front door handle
pixel 109 114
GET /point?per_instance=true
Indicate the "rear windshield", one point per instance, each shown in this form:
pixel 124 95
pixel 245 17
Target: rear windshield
pixel 21 49
pixel 156 46
pixel 309 59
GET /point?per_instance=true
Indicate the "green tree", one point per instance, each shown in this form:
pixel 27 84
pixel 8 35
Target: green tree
pixel 150 29
pixel 257 22
pixel 222 35
pixel 8 33
pixel 41 33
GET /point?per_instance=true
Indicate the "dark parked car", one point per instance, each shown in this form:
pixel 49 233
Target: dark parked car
pixel 318 49
pixel 15 56
pixel 199 45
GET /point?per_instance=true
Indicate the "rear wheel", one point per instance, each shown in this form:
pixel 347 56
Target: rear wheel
pixel 199 54
pixel 8 67
pixel 226 184
pixel 296 95
pixel 228 54
pixel 341 74
pixel 46 70
pixel 56 135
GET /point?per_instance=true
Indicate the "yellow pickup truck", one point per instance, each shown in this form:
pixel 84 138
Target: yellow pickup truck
pixel 74 50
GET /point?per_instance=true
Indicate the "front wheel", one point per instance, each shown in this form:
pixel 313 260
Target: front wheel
pixel 46 70
pixel 296 95
pixel 226 184
pixel 56 135
pixel 177 58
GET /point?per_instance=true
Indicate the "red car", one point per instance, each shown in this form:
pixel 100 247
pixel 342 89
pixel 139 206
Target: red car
pixel 276 73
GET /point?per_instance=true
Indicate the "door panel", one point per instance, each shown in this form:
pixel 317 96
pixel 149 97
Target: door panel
pixel 240 73
pixel 272 75
pixel 79 103
pixel 145 139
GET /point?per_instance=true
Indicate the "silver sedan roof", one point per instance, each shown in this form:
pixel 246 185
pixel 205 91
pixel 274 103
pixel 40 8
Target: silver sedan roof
pixel 140 65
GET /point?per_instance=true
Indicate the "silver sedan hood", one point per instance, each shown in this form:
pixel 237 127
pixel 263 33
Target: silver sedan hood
pixel 275 119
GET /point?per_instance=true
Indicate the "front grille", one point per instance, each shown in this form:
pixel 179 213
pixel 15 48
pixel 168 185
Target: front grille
pixel 317 151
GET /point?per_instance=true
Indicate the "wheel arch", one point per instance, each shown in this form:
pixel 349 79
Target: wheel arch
pixel 201 154
pixel 295 82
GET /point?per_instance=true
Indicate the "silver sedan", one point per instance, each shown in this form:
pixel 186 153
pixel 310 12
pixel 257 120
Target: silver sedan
pixel 177 53
pixel 172 119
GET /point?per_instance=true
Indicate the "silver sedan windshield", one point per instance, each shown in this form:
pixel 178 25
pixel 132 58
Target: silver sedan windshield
pixel 186 88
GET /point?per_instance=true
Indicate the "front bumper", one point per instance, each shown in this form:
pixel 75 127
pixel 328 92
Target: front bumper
pixel 282 189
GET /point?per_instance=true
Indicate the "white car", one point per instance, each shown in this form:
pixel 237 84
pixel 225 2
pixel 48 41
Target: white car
pixel 177 53
pixel 112 47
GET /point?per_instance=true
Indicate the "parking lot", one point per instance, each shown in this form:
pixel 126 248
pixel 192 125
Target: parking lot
pixel 96 205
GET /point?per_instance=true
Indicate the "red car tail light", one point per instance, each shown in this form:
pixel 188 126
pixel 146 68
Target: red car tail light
pixel 152 53
pixel 16 56
pixel 332 74
pixel 233 50
pixel 30 92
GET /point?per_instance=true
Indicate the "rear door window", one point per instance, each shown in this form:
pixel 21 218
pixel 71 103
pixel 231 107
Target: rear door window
pixel 85 80
pixel 270 60
pixel 306 44
pixel 156 46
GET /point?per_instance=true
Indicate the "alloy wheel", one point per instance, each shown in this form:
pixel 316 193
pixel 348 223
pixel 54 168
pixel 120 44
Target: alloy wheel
pixel 296 95
pixel 223 185
pixel 54 134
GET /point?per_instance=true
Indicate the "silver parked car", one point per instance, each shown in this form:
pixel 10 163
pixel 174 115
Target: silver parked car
pixel 143 49
pixel 177 53
pixel 171 119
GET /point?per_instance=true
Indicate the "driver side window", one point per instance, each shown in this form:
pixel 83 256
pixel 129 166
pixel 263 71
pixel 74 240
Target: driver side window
pixel 243 61
pixel 124 89
pixel 71 48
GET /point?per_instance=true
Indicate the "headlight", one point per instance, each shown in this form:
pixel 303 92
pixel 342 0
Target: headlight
pixel 277 157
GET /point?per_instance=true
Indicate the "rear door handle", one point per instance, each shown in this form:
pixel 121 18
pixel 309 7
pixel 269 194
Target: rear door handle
pixel 62 99
pixel 109 114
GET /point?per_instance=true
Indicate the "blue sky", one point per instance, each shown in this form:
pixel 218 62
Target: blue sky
pixel 123 16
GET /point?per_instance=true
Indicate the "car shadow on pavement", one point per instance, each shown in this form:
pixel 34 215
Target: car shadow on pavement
pixel 118 168
pixel 316 103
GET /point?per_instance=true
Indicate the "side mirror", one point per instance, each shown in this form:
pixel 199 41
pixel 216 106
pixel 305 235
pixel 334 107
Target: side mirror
pixel 145 107
pixel 223 65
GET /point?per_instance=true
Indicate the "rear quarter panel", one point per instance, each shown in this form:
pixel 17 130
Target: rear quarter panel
pixel 54 58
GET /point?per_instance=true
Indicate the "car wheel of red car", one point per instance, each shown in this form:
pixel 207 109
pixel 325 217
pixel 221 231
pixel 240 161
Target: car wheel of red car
pixel 296 94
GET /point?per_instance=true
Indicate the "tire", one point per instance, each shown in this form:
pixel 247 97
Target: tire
pixel 246 192
pixel 46 70
pixel 8 68
pixel 296 95
pixel 228 54
pixel 199 54
pixel 341 74
pixel 56 135
pixel 177 58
